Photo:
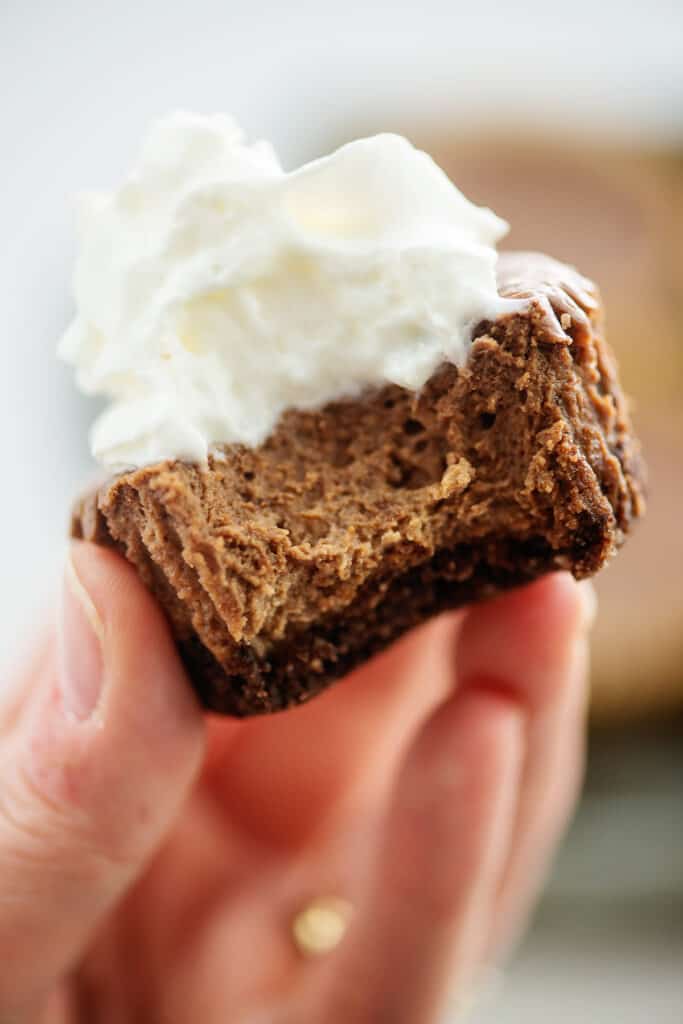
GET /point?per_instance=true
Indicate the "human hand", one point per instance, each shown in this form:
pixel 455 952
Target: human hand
pixel 153 860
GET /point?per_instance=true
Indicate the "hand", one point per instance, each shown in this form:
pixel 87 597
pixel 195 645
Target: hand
pixel 152 861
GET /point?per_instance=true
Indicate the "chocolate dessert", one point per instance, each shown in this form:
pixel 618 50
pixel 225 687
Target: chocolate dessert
pixel 283 566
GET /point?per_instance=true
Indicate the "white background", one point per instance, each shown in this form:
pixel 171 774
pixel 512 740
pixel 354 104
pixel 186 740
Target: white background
pixel 79 81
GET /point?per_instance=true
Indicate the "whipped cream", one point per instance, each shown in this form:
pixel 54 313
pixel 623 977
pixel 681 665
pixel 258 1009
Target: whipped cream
pixel 214 290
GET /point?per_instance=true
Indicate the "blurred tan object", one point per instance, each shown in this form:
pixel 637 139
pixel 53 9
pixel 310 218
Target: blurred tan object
pixel 321 925
pixel 618 214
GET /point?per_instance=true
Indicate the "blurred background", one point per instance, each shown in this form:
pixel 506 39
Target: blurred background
pixel 567 120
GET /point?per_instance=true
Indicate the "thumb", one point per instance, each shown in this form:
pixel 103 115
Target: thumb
pixel 93 770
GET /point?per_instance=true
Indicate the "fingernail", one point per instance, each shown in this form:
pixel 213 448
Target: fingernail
pixel 589 600
pixel 81 666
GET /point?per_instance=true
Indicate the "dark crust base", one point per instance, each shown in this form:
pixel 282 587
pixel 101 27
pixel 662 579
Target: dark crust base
pixel 282 568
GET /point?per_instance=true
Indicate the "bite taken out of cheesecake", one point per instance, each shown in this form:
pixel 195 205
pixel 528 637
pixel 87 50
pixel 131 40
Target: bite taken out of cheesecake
pixel 282 567
pixel 333 410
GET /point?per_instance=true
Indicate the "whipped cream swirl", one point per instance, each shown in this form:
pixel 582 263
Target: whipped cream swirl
pixel 214 290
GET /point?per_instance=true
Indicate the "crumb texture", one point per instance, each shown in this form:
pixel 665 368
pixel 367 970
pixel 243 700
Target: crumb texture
pixel 282 567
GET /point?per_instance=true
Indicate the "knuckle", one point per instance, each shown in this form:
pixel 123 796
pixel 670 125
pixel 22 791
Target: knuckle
pixel 43 827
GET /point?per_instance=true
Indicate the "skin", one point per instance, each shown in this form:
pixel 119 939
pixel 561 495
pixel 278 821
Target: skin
pixel 152 859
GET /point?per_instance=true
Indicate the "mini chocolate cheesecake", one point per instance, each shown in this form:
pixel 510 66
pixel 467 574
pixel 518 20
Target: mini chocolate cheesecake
pixel 282 567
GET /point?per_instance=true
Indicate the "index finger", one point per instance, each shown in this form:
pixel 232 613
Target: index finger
pixel 284 775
